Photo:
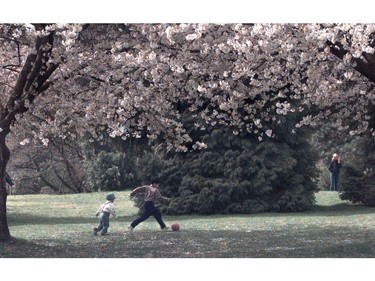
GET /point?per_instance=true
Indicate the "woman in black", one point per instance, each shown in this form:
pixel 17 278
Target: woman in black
pixel 334 168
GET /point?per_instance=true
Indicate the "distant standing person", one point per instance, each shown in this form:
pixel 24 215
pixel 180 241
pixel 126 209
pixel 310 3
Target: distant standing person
pixel 103 213
pixel 12 187
pixel 334 168
pixel 152 194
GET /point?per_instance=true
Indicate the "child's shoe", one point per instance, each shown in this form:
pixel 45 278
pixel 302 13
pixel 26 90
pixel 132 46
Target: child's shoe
pixel 130 228
pixel 165 228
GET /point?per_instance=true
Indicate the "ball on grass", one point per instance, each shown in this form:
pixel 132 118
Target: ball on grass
pixel 175 227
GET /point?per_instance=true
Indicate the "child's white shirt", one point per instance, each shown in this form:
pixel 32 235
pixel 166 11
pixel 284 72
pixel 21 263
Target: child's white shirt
pixel 108 207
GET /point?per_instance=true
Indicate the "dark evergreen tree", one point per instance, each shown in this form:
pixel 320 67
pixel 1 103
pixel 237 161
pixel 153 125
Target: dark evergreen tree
pixel 358 175
pixel 239 174
pixel 115 164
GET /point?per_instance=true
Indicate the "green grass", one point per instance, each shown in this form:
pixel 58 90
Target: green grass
pixel 47 226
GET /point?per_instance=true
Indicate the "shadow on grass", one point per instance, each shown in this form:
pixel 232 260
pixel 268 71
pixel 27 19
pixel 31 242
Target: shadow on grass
pixel 29 219
pixel 317 211
pixel 343 209
pixel 284 243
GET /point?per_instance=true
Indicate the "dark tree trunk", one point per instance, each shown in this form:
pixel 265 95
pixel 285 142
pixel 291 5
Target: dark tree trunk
pixel 364 66
pixel 31 82
pixel 4 157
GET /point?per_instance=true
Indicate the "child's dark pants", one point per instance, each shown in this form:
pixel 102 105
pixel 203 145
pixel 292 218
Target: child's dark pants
pixel 149 210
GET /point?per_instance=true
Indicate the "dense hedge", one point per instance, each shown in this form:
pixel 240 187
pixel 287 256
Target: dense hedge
pixel 239 174
pixel 358 176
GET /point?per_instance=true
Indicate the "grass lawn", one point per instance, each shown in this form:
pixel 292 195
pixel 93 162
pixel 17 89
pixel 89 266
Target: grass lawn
pixel 50 226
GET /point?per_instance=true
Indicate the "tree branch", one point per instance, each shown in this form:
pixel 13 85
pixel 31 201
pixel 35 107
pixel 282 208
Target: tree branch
pixel 366 69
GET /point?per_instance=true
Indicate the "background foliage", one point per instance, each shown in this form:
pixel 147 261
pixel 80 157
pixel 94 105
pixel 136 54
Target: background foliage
pixel 357 183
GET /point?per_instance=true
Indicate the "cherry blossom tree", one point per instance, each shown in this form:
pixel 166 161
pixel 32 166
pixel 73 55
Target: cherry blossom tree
pixel 226 74
pixel 134 80
pixel 22 80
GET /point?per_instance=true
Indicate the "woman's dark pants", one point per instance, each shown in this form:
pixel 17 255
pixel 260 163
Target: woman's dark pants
pixel 149 210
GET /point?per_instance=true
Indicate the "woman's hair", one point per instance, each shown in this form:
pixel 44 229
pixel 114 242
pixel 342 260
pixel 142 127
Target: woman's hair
pixel 155 181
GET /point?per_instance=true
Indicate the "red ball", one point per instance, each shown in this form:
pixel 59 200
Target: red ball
pixel 175 227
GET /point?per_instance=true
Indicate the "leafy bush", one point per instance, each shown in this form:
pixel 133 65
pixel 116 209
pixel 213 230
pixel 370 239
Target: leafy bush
pixel 238 174
pixel 358 176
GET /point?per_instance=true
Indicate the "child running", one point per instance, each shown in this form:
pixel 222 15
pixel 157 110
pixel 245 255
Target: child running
pixel 152 194
pixel 103 214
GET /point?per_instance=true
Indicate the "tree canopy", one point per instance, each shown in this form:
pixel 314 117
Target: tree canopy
pixel 131 79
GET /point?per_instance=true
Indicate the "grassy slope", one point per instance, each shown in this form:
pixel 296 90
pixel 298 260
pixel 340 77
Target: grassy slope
pixel 60 226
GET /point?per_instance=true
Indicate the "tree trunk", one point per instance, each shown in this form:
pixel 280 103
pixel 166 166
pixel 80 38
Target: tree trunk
pixel 31 82
pixel 4 157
